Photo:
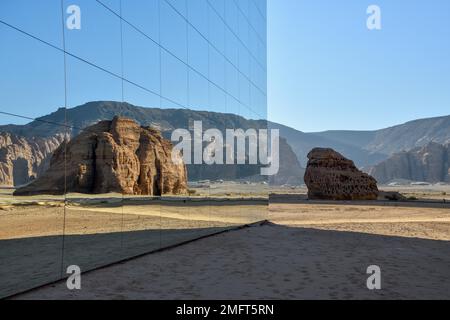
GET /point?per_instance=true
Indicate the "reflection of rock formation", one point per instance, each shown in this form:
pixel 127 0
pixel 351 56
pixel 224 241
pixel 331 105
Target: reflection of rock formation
pixel 430 163
pixel 329 175
pixel 22 159
pixel 113 156
pixel 290 171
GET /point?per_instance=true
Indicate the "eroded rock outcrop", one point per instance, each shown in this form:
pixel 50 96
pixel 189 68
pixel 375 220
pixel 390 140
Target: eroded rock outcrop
pixel 331 176
pixel 23 159
pixel 430 163
pixel 113 156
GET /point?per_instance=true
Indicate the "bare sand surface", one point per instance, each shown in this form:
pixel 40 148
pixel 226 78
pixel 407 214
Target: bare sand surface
pixel 425 192
pixel 273 262
pixel 310 250
pixel 412 222
pixel 307 252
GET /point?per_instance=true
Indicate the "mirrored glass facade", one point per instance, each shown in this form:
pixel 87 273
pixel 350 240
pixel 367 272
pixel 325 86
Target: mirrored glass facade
pixel 82 186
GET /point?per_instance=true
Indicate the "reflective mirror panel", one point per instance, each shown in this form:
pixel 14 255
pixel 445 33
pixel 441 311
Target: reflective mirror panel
pixel 94 95
pixel 32 82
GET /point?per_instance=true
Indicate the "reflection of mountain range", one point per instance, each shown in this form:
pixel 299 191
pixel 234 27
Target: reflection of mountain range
pixel 90 113
pixel 366 148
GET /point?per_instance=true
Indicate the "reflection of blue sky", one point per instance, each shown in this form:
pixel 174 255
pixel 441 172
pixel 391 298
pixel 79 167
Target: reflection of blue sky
pixel 327 71
pixel 32 77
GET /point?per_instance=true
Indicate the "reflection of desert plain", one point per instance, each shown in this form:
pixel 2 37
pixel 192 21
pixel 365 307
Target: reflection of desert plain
pixel 34 216
pixel 102 229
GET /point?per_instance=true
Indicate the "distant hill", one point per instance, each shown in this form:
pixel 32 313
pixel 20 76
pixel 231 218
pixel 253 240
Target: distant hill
pixel 368 148
pixel 430 163
pixel 406 136
pixel 302 143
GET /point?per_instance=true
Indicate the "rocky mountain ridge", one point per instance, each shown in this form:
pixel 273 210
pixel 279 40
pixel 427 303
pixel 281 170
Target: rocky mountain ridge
pixel 430 163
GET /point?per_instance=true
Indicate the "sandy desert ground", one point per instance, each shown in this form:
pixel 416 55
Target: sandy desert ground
pixel 427 192
pixel 411 222
pixel 273 262
pixel 307 251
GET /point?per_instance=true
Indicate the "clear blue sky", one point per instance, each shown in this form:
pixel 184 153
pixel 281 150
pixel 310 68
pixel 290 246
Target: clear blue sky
pixel 326 70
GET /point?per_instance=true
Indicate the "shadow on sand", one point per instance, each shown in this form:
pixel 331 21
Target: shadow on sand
pixel 26 263
pixel 267 261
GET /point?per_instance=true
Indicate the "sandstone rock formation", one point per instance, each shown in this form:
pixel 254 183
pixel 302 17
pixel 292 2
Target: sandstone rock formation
pixel 23 159
pixel 430 163
pixel 330 176
pixel 113 156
